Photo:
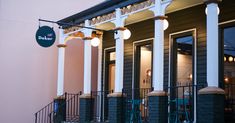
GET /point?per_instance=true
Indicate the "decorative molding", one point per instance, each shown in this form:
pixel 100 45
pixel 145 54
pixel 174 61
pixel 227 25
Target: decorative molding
pixel 102 18
pixel 137 6
pixel 61 45
pixel 124 10
pixel 73 28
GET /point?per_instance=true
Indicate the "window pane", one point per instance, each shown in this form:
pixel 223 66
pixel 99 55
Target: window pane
pixel 112 56
pixel 184 59
pixel 229 55
pixel 145 66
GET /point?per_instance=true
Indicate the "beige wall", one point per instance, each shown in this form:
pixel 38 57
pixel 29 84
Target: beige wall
pixel 28 72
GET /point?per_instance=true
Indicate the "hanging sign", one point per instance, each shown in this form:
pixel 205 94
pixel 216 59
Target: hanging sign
pixel 45 36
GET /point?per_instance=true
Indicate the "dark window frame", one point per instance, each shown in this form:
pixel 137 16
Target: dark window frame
pixel 173 53
pixel 222 27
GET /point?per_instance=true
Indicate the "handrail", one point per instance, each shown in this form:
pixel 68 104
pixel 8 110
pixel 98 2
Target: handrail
pixel 41 115
pixel 67 100
pixel 44 115
pixel 49 103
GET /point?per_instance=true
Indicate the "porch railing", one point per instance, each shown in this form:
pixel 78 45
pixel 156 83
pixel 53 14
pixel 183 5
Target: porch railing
pixel 136 104
pixel 182 101
pixel 229 103
pixel 49 112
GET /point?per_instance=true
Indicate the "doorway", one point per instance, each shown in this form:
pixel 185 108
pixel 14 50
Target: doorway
pixel 182 106
pixel 142 82
pixel 108 82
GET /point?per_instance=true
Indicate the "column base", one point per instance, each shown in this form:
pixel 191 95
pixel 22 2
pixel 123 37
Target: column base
pixel 60 110
pixel 210 105
pixel 158 107
pixel 85 108
pixel 115 108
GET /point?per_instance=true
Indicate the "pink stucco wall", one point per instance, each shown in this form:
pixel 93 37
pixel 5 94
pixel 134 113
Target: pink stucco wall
pixel 28 72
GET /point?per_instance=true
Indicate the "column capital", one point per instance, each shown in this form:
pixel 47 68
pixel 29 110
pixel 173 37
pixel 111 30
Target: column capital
pixel 119 28
pixel 87 38
pixel 61 45
pixel 212 1
pixel 160 17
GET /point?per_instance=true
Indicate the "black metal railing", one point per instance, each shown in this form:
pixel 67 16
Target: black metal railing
pixel 42 115
pixel 136 104
pixel 181 102
pixel 99 105
pixel 70 106
pixel 229 103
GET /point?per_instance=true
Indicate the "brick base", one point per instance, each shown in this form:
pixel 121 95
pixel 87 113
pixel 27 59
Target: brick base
pixel 85 108
pixel 115 108
pixel 60 110
pixel 210 105
pixel 158 108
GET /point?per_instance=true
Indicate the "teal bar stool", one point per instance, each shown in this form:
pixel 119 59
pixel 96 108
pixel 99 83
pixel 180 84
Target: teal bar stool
pixel 181 110
pixel 135 113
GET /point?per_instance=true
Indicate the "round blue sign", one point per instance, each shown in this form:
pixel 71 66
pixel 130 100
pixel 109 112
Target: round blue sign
pixel 45 36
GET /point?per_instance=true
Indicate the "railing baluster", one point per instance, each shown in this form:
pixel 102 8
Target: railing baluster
pixel 36 117
pixel 73 106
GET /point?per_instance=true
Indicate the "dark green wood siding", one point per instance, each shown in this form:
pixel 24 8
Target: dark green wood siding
pixel 189 18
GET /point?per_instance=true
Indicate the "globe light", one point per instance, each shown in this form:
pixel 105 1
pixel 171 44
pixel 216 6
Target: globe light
pixel 218 10
pixel 165 24
pixel 234 59
pixel 230 59
pixel 95 42
pixel 226 79
pixel 225 58
pixel 126 34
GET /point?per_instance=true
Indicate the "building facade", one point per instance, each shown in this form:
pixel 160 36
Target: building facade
pixel 177 66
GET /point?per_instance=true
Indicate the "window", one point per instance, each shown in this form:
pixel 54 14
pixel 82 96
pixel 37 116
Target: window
pixel 229 55
pixel 184 59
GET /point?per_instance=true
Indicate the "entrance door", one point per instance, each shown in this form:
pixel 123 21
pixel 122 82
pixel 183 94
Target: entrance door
pixel 143 77
pixel 109 79
pixel 182 74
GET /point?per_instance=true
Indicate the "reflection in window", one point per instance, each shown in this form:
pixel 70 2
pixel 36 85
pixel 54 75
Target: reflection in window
pixel 229 65
pixel 229 55
pixel 184 59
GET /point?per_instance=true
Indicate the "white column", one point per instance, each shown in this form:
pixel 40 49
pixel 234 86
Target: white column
pixel 158 55
pixel 99 76
pixel 158 44
pixel 119 52
pixel 99 73
pixel 212 45
pixel 61 56
pixel 87 60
